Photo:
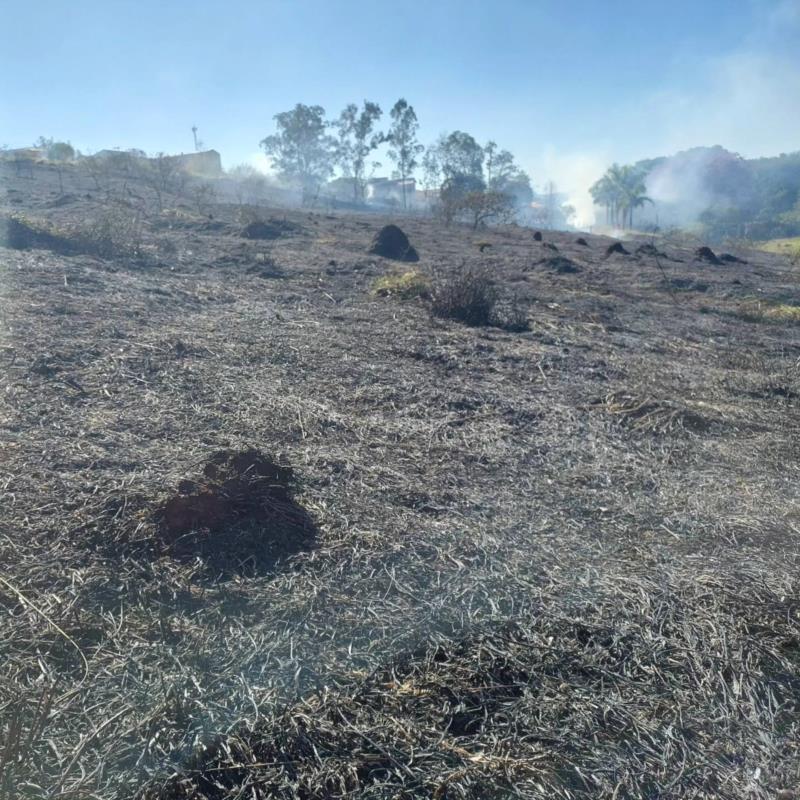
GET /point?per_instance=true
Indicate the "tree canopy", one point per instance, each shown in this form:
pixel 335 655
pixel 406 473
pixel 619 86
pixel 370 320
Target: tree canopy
pixel 302 151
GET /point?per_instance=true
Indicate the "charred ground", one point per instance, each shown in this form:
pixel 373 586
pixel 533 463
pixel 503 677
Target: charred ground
pixel 559 562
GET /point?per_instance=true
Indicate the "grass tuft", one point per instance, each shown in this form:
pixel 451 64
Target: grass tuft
pixel 404 286
pixel 759 311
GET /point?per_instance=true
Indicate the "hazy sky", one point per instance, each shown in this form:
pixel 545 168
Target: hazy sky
pixel 567 86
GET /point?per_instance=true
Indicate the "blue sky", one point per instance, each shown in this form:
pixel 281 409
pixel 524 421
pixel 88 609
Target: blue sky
pixel 567 86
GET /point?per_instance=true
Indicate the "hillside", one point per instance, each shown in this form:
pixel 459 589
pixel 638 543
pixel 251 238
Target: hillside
pixel 267 534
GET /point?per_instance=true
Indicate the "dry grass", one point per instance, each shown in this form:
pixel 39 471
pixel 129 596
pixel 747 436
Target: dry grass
pixel 554 564
pixel 760 311
pixel 404 286
pixel 612 685
pixel 113 233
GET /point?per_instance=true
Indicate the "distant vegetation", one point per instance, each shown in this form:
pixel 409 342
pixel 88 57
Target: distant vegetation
pixel 716 192
pixel 462 180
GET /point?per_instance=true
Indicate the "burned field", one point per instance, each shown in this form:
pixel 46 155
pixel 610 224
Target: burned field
pixel 267 532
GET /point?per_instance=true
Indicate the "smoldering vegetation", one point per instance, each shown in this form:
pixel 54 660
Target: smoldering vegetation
pixel 274 527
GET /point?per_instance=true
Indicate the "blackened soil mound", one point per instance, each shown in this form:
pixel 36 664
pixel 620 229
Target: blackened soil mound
pixel 240 511
pixel 391 242
pixel 581 241
pixel 561 265
pixel 616 248
pixel 537 236
pixel 727 258
pixel 270 229
pixel 650 250
pixel 706 254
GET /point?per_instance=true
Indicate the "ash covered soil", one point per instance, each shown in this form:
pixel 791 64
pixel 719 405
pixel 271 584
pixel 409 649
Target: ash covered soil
pixel 267 534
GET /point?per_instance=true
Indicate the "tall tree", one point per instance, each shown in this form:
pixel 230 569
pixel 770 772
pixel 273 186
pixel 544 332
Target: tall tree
pixel 357 139
pixel 504 175
pixel 460 154
pixel 301 150
pixel 403 145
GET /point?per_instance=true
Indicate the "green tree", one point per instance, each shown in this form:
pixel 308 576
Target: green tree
pixel 301 150
pixel 620 191
pixel 454 193
pixel 460 154
pixel 403 145
pixel 504 175
pixel 60 151
pixel 633 193
pixel 357 140
pixel 431 170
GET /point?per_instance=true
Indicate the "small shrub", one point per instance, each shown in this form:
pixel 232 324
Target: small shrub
pixel 468 296
pixel 405 286
pixel 117 234
pixel 512 316
pixel 205 195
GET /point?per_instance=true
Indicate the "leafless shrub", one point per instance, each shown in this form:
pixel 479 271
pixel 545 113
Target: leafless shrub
pixel 511 315
pixel 468 296
pixel 205 195
pixel 115 234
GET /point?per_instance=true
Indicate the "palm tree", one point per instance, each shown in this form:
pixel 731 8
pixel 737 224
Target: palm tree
pixel 620 191
pixel 633 193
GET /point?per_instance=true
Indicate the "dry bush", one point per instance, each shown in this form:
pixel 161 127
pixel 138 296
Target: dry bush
pixel 511 315
pixel 116 234
pixel 469 296
pixel 205 196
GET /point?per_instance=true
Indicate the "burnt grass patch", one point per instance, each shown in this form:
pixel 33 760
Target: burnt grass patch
pixel 570 703
pixel 270 229
pixel 485 588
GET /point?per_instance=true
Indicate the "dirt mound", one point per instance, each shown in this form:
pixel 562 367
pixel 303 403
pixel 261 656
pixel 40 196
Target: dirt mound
pixel 537 236
pixel 728 258
pixel 269 229
pixel 706 254
pixel 241 508
pixel 650 250
pixel 581 241
pixel 391 242
pixel 617 247
pixel 550 246
pixel 561 265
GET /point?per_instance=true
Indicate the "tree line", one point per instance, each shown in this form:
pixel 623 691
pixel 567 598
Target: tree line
pixel 478 181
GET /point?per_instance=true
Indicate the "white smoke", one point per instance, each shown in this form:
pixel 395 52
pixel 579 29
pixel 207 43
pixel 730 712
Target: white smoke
pixel 573 173
pixel 745 101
